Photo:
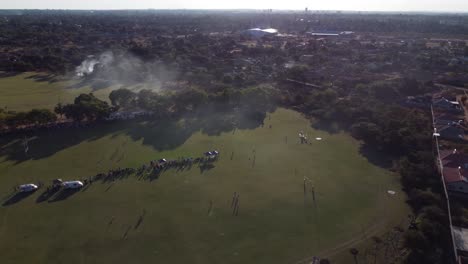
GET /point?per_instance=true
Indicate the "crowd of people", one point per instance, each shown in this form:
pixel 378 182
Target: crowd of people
pixel 149 171
pixel 154 167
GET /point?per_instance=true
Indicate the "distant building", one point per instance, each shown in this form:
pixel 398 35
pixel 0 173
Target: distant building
pixel 331 33
pixel 258 32
pixel 445 104
pixel 427 101
pixel 323 34
pixel 455 171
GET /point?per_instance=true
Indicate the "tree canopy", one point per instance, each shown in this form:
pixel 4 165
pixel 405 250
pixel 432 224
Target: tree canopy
pixel 86 107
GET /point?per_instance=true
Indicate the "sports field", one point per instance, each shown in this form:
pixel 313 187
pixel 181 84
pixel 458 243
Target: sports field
pixel 26 91
pixel 185 216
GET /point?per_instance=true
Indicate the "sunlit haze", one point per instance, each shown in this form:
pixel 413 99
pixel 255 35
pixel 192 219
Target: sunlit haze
pixel 361 5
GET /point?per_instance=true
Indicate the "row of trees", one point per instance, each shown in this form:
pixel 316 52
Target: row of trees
pixel 193 100
pixel 255 101
pixel 86 107
pixel 33 117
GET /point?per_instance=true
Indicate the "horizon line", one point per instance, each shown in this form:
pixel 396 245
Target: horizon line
pixel 237 9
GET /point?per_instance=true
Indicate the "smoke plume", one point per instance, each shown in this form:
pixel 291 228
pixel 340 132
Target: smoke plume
pixel 110 68
pixel 88 65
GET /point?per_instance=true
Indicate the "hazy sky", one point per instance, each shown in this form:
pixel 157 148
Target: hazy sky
pixel 363 5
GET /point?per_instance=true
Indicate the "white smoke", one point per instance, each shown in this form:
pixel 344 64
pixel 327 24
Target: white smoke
pixel 125 70
pixel 88 65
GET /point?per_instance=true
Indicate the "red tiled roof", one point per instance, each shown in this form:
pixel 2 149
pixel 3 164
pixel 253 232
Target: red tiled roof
pixel 454 163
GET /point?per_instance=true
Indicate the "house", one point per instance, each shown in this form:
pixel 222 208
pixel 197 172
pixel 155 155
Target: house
pixel 455 171
pixel 445 104
pixel 446 119
pixel 450 131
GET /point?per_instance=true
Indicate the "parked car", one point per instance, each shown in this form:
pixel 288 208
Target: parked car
pixel 72 184
pixel 27 187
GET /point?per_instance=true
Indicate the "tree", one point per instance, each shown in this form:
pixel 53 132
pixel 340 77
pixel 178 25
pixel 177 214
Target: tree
pixel 383 90
pixel 40 116
pixel 145 98
pixel 87 106
pixel 190 99
pixel 366 131
pixel 59 109
pixel 258 98
pixel 415 240
pixel 298 73
pixel 16 119
pixel 418 199
pixel 73 111
pixel 321 99
pixel 151 101
pixel 2 119
pixel 122 97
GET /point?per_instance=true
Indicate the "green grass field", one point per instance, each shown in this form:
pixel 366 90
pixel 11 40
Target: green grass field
pixel 276 223
pixel 25 91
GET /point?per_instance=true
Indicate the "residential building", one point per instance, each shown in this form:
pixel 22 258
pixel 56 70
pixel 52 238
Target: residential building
pixel 451 131
pixel 445 104
pixel 455 171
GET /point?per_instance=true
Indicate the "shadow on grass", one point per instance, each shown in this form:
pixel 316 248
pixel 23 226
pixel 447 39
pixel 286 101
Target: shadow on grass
pixel 154 175
pixel 44 143
pixel 206 166
pixel 375 157
pixel 369 152
pixel 42 77
pixel 47 194
pixel 94 84
pixel 159 134
pixel 115 177
pixel 63 194
pixel 139 221
pixel 8 74
pixel 17 197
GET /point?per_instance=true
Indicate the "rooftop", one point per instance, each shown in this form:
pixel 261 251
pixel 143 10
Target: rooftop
pixel 455 165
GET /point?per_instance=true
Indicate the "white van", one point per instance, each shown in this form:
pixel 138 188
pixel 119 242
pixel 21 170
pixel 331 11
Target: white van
pixel 27 187
pixel 72 184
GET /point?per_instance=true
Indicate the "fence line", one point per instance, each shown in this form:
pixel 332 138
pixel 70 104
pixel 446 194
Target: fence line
pixel 440 167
